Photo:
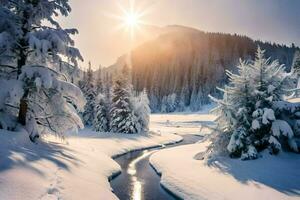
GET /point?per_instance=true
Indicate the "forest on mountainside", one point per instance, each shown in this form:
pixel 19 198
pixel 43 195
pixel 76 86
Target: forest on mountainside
pixel 180 68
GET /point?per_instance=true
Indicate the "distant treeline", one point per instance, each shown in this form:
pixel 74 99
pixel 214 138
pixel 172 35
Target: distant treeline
pixel 180 68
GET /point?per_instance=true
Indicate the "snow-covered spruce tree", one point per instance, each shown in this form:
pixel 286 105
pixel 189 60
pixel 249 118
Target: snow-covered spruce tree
pixel 82 81
pixel 89 92
pixel 101 122
pixel 31 50
pixel 169 103
pixel 296 70
pixel 142 110
pixel 99 81
pixel 247 113
pixel 296 63
pixel 122 116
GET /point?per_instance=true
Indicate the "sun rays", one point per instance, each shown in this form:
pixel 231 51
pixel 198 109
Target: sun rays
pixel 131 17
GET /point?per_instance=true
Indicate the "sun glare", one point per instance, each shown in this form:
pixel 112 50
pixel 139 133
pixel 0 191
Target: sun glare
pixel 131 20
pixel 132 17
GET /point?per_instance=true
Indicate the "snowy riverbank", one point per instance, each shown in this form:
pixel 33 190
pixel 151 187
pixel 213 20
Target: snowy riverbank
pixel 80 166
pixel 73 169
pixel 270 177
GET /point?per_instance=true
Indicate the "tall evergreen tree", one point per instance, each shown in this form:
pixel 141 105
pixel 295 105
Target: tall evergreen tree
pixel 122 116
pixel 99 81
pixel 89 91
pixel 26 40
pixel 101 122
pixel 31 53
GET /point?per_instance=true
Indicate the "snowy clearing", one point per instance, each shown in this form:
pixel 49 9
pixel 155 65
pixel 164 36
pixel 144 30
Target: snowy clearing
pixel 269 177
pixel 72 169
pixel 180 123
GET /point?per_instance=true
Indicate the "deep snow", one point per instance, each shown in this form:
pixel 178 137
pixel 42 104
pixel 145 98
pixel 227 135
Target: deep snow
pixel 73 169
pixel 190 176
pixel 80 166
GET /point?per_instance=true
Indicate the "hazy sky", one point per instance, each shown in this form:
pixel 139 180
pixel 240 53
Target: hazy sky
pixel 100 42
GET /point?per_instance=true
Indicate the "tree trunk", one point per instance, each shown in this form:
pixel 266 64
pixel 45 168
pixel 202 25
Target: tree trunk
pixel 23 108
pixel 23 111
pixel 23 101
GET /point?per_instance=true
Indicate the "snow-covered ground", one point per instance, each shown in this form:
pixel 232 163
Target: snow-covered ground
pixel 77 168
pixel 182 123
pixel 80 166
pixel 189 177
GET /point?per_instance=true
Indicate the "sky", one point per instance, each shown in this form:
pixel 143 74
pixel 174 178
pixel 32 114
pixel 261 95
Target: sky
pixel 102 41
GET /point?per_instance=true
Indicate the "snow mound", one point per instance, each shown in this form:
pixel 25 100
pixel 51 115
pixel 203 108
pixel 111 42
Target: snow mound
pixel 189 176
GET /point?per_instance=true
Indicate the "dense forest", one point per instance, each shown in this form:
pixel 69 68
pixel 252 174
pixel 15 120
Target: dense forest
pixel 182 66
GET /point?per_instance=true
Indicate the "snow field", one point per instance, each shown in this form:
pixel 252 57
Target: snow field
pixel 188 176
pixel 73 169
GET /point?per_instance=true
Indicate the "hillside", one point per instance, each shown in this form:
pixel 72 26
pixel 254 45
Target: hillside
pixel 182 65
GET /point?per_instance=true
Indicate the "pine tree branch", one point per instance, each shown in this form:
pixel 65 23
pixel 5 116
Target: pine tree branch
pixel 8 66
pixel 12 106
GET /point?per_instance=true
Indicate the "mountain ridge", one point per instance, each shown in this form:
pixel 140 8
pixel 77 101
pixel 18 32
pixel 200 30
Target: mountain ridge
pixel 182 65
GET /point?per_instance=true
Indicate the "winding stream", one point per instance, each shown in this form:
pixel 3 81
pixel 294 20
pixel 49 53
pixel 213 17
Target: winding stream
pixel 138 179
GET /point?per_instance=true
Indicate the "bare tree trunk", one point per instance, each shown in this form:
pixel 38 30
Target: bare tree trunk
pixel 23 101
pixel 23 111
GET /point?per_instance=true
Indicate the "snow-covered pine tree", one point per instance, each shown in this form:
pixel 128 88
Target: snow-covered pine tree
pixel 179 103
pixel 142 110
pixel 99 81
pixel 101 122
pixel 122 116
pixel 82 83
pixel 169 103
pixel 296 63
pixel 247 113
pixel 296 70
pixel 31 50
pixel 89 92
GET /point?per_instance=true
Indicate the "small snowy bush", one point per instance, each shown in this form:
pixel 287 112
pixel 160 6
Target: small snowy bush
pixel 142 110
pixel 253 112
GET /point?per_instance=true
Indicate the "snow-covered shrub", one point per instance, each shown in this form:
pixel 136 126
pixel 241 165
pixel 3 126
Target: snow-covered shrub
pixel 247 111
pixel 142 111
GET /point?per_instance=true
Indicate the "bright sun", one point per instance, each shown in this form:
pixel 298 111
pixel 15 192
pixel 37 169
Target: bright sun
pixel 131 17
pixel 132 20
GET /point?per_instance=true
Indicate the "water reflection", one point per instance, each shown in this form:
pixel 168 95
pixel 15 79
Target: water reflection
pixel 137 189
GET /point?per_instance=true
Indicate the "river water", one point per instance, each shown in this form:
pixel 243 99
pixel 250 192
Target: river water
pixel 138 180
